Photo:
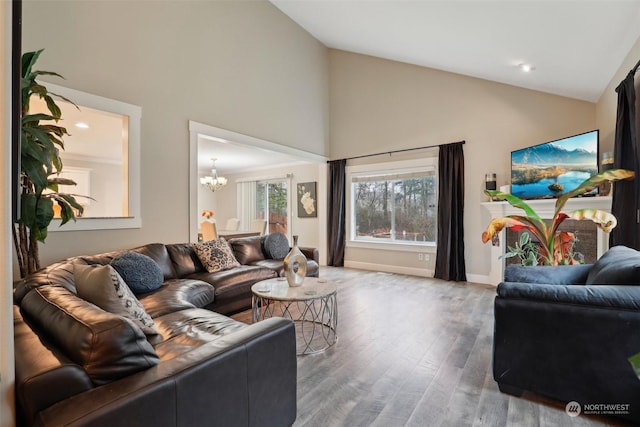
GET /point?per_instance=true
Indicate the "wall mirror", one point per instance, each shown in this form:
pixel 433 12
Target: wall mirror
pixel 102 155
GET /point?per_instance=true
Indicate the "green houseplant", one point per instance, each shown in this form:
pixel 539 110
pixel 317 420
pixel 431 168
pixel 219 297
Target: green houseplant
pixel 40 144
pixel 554 247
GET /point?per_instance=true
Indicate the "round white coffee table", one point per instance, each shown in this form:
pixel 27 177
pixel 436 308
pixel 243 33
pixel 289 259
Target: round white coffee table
pixel 313 307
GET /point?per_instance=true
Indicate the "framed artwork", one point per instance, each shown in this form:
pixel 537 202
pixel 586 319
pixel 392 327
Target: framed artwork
pixel 307 200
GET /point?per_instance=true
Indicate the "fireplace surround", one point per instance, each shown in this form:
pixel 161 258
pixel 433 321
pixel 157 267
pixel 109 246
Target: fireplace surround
pixel 545 208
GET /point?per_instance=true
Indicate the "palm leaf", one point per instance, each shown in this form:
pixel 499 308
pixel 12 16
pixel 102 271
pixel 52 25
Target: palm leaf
pixel 604 220
pixel 514 201
pixel 498 224
pixel 36 118
pixel 635 363
pixel 591 183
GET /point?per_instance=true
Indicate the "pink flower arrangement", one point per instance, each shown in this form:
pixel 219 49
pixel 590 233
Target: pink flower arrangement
pixel 207 214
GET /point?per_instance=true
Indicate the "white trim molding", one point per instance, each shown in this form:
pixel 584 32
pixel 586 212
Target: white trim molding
pixel 200 129
pixel 134 113
pixel 384 268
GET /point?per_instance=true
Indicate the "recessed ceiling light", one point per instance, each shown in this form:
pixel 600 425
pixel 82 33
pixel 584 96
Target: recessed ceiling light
pixel 82 125
pixel 526 67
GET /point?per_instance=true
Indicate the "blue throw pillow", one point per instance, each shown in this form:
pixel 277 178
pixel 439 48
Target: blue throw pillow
pixel 140 273
pixel 618 266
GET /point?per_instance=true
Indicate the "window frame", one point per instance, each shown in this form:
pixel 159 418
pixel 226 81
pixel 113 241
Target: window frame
pixel 134 112
pixel 428 163
pixel 266 180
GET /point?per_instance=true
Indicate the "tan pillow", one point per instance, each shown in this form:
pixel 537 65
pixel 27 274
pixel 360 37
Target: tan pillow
pixel 102 285
pixel 215 255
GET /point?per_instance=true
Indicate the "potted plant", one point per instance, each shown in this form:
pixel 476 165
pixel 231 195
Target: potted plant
pixel 40 145
pixel 554 247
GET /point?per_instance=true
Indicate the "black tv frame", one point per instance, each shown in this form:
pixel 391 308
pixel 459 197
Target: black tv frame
pixel 598 166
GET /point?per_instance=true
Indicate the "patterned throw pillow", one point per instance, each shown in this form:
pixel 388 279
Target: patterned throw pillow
pixel 215 255
pixel 102 285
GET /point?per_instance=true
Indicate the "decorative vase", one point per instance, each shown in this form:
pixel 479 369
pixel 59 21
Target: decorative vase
pixel 295 265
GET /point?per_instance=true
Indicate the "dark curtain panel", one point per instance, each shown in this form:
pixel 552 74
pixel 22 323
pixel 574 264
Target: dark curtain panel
pixel 625 155
pixel 450 250
pixel 336 213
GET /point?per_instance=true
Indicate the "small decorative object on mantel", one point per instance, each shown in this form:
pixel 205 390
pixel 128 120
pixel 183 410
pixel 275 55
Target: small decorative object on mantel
pixel 490 181
pixel 295 265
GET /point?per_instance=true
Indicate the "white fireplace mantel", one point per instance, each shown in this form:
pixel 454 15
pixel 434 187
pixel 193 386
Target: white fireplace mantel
pixel 545 208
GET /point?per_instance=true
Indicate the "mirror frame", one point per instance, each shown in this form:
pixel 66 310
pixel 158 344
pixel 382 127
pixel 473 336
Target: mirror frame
pixel 134 113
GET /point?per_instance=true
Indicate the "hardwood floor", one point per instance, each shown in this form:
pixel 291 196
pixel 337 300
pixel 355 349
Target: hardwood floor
pixel 413 352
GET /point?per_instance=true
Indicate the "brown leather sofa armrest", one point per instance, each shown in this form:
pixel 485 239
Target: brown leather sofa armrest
pixel 311 253
pixel 43 376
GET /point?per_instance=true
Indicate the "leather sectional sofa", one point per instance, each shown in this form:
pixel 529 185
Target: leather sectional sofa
pixel 79 365
pixel 567 332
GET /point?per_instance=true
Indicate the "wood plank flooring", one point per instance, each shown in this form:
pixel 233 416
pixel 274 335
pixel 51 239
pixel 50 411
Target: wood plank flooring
pixel 413 351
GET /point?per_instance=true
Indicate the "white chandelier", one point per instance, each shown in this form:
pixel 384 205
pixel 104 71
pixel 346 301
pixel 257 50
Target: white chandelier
pixel 213 182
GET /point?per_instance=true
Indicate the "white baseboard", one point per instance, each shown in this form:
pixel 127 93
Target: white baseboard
pixel 412 271
pixel 480 278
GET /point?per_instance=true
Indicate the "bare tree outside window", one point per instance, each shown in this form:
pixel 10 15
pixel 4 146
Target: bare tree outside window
pixel 396 208
pixel 272 204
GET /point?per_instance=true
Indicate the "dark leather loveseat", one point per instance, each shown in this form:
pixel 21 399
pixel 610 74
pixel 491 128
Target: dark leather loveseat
pixel 252 251
pixel 566 332
pixel 79 365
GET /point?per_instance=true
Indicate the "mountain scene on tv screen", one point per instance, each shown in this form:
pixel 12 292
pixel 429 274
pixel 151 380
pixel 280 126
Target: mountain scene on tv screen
pixel 549 170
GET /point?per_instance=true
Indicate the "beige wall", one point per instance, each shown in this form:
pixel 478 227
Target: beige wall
pixel 6 301
pixel 242 66
pixel 378 105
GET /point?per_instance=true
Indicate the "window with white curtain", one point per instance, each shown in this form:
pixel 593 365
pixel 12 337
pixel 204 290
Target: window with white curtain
pixel 268 199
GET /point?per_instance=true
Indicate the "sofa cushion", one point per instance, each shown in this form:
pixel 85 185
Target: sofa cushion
pixel 158 252
pixel 177 295
pixel 60 273
pixel 141 273
pixel 236 281
pixel 199 325
pixel 620 265
pixel 548 274
pixel 215 255
pixel 102 285
pixel 247 250
pixel 184 259
pixel 275 246
pixel 106 345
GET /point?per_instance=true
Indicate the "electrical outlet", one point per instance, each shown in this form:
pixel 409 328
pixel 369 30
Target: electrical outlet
pixel 420 257
pixel 426 257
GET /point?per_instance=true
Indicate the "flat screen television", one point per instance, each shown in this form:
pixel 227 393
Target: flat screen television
pixel 550 169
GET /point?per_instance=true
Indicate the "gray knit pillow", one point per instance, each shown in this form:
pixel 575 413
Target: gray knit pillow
pixel 141 273
pixel 275 246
